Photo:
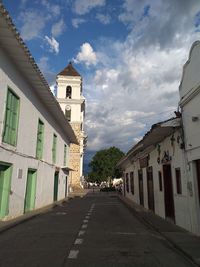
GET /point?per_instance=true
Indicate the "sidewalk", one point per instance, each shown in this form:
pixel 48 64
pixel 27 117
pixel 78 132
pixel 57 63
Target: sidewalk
pixel 182 240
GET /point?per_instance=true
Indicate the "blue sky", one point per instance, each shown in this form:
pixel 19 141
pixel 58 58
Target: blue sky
pixel 70 24
pixel 130 54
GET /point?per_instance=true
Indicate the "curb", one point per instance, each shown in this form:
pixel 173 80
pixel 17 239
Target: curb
pixel 153 227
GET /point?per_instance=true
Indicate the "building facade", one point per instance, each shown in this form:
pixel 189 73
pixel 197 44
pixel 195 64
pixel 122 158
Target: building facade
pixel 155 174
pixel 34 133
pixel 72 103
pixel 189 102
pixel 162 171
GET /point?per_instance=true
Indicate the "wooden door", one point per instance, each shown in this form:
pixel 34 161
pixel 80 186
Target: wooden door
pixel 29 202
pixel 168 192
pixel 141 190
pixel 5 184
pixel 150 189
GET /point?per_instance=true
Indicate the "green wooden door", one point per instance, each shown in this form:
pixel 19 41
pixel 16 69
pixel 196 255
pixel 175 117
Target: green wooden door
pixel 29 203
pixel 55 195
pixel 5 182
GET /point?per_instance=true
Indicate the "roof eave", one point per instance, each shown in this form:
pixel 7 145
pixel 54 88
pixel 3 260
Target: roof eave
pixel 13 44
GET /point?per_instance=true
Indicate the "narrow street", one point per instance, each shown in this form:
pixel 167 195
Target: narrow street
pixel 96 230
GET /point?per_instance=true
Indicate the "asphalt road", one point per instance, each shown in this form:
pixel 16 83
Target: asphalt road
pixel 94 231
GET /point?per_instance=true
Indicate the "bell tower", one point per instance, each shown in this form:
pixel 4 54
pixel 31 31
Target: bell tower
pixel 72 102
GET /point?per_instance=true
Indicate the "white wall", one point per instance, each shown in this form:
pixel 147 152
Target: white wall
pixel 190 78
pixel 73 81
pixel 184 215
pixel 190 99
pixel 23 155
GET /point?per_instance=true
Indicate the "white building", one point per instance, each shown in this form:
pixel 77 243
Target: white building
pixel 190 107
pixel 72 102
pixel 162 171
pixel 155 174
pixel 34 133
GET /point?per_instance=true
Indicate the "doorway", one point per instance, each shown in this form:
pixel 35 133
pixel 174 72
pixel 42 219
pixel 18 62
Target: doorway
pixel 55 194
pixel 66 186
pixel 5 184
pixel 150 189
pixel 29 202
pixel 141 190
pixel 168 193
pixel 198 177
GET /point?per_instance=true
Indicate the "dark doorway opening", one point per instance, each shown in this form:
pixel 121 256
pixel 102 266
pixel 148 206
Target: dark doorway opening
pixel 168 193
pixel 55 193
pixel 150 188
pixel 141 190
pixel 198 177
pixel 66 186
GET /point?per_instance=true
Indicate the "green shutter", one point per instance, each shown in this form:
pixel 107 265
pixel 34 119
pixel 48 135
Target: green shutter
pixel 11 119
pixel 29 202
pixel 54 148
pixel 5 185
pixel 40 138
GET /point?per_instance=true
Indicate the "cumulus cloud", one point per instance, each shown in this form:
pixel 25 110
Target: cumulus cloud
pixel 58 28
pixel 136 84
pixel 53 9
pixel 86 55
pixel 104 19
pixel 77 21
pixel 149 27
pixel 82 7
pixel 33 22
pixel 53 44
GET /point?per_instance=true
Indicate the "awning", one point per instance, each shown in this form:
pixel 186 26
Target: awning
pixel 66 168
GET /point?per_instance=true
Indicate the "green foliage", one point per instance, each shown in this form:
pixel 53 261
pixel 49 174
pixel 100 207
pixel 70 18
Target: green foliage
pixel 103 165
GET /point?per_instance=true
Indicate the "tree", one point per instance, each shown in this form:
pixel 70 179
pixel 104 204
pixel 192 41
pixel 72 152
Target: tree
pixel 103 165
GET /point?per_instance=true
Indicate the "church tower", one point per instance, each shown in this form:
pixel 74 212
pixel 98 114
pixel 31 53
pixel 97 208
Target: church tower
pixel 72 102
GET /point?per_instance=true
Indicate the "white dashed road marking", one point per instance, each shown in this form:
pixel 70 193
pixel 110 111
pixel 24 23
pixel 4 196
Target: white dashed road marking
pixel 78 241
pixel 84 226
pixel 82 232
pixel 73 254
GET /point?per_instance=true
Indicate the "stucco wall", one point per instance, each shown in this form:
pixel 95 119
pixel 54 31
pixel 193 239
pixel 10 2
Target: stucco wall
pixel 190 78
pixel 192 128
pixel 190 99
pixel 74 82
pixel 184 215
pixel 23 155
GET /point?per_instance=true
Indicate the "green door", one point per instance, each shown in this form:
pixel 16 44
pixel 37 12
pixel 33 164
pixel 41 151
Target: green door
pixel 55 195
pixel 5 182
pixel 29 203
